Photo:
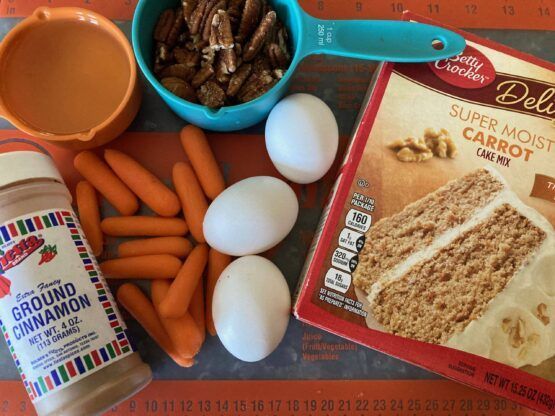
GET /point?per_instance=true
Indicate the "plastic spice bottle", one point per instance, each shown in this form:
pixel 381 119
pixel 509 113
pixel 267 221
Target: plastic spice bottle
pixel 58 317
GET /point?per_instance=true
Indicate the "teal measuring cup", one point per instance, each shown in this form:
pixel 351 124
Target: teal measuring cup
pixel 378 40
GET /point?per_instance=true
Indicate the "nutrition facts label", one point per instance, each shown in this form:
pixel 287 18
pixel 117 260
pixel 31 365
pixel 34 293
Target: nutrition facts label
pixel 344 259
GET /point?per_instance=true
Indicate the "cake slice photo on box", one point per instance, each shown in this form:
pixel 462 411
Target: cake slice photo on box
pixel 468 266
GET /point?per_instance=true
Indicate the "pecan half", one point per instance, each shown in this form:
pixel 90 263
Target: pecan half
pixel 197 16
pixel 234 10
pixel 238 79
pixel 211 95
pixel 258 38
pixel 176 29
pixel 188 6
pixel 206 26
pixel 186 57
pixel 255 86
pixel 204 74
pixel 238 49
pixel 283 41
pixel 229 59
pixel 249 18
pixel 261 64
pixel 162 53
pixel 182 71
pixel 221 72
pixel 180 88
pixel 220 35
pixel 164 25
pixel 277 56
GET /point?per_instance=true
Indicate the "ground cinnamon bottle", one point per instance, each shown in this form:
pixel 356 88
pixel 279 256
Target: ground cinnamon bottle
pixel 57 314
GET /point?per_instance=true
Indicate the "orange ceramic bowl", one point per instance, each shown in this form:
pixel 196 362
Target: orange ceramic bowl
pixel 68 75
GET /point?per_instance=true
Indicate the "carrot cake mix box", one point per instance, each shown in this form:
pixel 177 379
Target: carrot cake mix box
pixel 437 245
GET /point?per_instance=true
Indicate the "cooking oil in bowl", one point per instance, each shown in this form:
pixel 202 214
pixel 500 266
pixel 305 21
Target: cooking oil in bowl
pixel 64 76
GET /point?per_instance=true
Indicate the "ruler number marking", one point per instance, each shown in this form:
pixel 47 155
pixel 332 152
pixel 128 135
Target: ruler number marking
pixel 433 8
pixel 397 7
pixel 471 8
pixel 544 11
pixel 509 10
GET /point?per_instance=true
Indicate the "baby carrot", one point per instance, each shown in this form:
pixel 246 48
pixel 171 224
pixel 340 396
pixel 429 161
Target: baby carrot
pixel 106 182
pixel 204 163
pixel 192 198
pixel 154 266
pixel 138 305
pixel 184 332
pixel 143 226
pixel 217 262
pixel 89 215
pixel 176 246
pixel 196 307
pixel 143 183
pixel 177 301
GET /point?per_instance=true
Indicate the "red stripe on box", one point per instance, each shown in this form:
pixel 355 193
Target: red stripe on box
pixel 123 342
pixel 116 347
pixel 13 230
pixel 82 249
pixel 33 390
pixel 66 213
pixel 38 223
pixel 71 369
pixel 59 217
pixel 99 286
pixel 106 304
pixel 74 231
pixel 89 267
pixel 49 383
pixel 96 357
pixel 115 323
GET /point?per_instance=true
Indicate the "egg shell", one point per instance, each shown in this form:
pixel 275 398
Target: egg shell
pixel 302 138
pixel 251 216
pixel 251 308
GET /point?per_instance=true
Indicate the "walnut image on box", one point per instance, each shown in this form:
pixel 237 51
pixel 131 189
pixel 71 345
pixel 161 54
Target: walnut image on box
pixel 468 266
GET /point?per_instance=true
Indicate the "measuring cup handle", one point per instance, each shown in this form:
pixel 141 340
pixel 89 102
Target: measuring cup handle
pixel 380 40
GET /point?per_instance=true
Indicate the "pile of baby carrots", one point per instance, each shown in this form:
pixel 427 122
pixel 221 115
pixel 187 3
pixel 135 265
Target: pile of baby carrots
pixel 179 310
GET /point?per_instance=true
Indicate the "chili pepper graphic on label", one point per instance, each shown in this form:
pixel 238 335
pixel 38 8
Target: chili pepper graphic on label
pixel 47 253
pixel 5 285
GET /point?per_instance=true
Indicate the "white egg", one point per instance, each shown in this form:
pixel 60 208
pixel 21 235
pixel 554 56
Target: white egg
pixel 251 308
pixel 302 137
pixel 251 216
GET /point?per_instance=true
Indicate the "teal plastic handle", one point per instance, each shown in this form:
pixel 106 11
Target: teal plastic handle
pixel 380 40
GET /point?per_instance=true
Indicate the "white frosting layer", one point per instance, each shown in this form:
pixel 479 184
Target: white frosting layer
pixel 532 285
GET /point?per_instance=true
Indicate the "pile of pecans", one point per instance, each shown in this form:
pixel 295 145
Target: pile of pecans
pixel 220 52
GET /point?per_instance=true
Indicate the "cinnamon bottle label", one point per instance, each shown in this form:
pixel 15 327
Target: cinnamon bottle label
pixel 56 313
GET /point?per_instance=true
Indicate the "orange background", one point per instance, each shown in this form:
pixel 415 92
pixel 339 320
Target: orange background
pixel 294 397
